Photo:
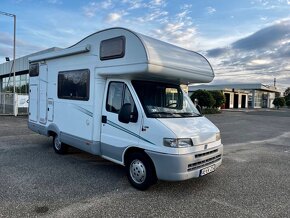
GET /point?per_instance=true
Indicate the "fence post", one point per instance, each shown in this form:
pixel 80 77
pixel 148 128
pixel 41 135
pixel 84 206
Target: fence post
pixel 4 104
pixel 15 104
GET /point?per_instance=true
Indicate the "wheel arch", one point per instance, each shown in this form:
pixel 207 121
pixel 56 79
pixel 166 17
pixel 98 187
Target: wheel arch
pixel 134 149
pixel 52 130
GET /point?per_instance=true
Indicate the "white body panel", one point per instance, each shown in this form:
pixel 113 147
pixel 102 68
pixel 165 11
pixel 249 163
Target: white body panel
pixel 88 125
pixel 43 94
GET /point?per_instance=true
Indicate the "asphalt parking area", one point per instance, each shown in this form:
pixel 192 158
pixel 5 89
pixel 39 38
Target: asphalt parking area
pixel 253 181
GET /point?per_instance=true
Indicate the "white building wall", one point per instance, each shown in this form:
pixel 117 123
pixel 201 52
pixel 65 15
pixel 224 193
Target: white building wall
pixel 231 100
pixel 271 97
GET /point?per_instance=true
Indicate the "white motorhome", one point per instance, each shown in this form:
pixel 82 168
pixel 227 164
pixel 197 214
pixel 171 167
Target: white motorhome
pixel 117 94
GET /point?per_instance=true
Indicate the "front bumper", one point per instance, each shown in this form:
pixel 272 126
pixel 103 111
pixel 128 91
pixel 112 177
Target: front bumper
pixel 181 167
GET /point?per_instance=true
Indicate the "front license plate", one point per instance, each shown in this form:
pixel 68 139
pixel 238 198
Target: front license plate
pixel 206 170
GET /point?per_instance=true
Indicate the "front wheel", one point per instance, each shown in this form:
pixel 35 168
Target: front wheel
pixel 58 146
pixel 140 171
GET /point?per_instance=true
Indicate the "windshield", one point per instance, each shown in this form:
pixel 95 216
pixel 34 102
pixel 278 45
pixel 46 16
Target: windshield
pixel 161 100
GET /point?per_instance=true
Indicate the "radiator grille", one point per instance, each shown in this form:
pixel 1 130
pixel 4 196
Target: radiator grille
pixel 206 153
pixel 204 163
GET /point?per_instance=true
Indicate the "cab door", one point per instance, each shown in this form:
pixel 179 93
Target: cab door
pixel 115 135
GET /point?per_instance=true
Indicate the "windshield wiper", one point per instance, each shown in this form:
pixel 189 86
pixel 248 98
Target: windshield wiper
pixel 191 114
pixel 160 112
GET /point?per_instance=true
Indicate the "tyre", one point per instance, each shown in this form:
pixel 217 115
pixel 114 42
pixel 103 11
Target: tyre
pixel 140 171
pixel 58 146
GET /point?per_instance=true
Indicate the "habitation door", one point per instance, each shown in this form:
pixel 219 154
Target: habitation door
pixel 42 93
pixel 115 135
pixel 33 102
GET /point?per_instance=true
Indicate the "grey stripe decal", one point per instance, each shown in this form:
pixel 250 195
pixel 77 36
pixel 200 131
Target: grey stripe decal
pixel 85 111
pixel 127 131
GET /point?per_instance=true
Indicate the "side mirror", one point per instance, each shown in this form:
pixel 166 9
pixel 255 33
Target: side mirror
pixel 125 113
pixel 199 109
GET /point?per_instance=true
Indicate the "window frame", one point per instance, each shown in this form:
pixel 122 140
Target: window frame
pixel 31 74
pixel 87 98
pixel 115 56
pixel 125 86
pixel 108 95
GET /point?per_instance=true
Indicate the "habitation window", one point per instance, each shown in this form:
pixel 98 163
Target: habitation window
pixel 33 70
pixel 74 85
pixel 112 48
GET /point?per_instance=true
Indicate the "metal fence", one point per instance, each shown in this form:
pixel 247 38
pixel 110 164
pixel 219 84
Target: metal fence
pixel 22 104
pixel 13 104
pixel 6 104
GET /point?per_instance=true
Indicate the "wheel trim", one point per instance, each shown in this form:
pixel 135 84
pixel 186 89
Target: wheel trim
pixel 137 171
pixel 57 143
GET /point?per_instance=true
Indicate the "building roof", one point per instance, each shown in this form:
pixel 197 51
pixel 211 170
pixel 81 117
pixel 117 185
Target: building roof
pixel 241 86
pixel 22 64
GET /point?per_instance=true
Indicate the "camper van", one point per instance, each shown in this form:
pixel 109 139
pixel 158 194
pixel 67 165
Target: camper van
pixel 117 94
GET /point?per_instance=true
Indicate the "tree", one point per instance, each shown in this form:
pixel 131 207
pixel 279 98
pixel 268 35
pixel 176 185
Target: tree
pixel 204 98
pixel 287 94
pixel 279 102
pixel 288 103
pixel 287 91
pixel 287 97
pixel 218 97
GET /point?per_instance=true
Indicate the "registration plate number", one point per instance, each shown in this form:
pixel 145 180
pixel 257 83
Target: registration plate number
pixel 206 170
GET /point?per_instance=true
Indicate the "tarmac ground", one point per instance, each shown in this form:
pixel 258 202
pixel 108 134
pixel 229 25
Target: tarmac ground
pixel 253 181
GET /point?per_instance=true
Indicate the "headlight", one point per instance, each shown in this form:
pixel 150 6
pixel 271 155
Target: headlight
pixel 177 142
pixel 218 136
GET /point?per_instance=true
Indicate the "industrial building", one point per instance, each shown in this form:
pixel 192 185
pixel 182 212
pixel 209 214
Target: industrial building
pixel 16 103
pixel 250 95
pixel 21 73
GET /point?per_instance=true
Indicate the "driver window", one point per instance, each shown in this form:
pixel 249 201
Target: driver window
pixel 114 98
pixel 129 99
pixel 119 94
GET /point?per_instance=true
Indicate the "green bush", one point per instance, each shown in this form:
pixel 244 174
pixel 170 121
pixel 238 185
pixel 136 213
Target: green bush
pixel 288 103
pixel 205 99
pixel 279 102
pixel 219 98
pixel 210 111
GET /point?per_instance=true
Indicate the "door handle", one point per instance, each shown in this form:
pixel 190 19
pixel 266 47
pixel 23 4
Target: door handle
pixel 104 119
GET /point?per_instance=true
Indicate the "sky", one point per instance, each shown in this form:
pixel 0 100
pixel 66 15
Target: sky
pixel 246 41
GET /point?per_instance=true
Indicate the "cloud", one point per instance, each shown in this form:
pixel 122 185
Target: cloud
pixel 210 10
pixel 177 33
pixel 258 57
pixel 134 4
pixel 266 37
pixel 155 15
pixel 22 47
pixel 158 2
pixel 92 8
pixel 216 52
pixel 112 17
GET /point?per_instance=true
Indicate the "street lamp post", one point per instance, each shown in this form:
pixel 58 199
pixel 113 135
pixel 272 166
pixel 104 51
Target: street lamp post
pixel 14 54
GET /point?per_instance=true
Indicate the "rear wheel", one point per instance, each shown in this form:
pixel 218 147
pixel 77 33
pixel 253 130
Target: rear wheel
pixel 58 146
pixel 140 171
